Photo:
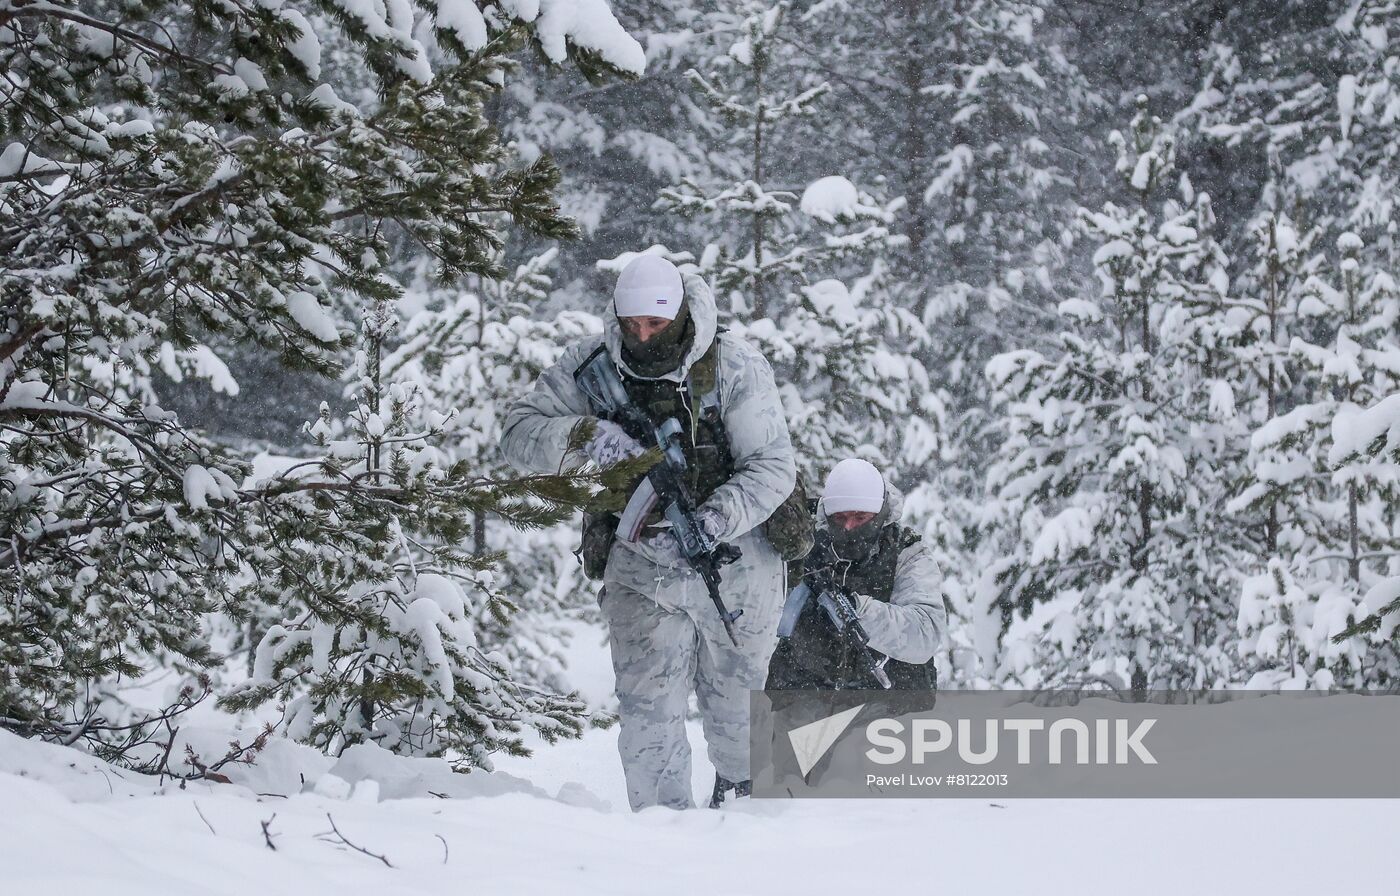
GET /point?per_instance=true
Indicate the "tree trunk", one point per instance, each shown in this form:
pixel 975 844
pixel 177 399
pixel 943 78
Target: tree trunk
pixel 909 156
pixel 760 303
pixel 1145 492
pixel 1139 683
pixel 377 325
pixel 1271 530
pixel 1353 530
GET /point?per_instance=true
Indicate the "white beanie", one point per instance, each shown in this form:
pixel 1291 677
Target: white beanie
pixel 854 484
pixel 650 286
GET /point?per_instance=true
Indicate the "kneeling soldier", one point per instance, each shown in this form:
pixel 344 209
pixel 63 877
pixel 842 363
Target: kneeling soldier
pixel 869 612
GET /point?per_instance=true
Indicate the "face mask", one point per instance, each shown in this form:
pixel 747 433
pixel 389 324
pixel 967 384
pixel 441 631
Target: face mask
pixel 663 352
pixel 856 544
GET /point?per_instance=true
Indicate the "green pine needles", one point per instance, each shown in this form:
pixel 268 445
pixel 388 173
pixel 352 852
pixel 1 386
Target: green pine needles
pixel 180 176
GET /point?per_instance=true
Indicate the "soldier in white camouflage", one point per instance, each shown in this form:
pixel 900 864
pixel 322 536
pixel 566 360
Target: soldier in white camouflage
pixel 891 579
pixel 667 637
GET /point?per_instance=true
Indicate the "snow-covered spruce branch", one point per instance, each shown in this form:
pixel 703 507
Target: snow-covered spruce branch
pixel 535 487
pixel 138 744
pixel 160 199
pixel 152 452
pixel 119 31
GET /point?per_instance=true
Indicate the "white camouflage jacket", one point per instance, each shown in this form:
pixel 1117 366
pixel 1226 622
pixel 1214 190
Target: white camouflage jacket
pixel 536 431
pixel 911 626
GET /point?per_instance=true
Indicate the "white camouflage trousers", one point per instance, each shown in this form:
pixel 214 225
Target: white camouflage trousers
pixel 667 640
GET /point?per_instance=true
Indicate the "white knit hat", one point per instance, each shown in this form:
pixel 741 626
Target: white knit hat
pixel 854 484
pixel 650 286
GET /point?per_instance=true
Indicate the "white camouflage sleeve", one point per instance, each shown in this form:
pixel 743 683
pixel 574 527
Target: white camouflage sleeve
pixel 535 434
pixel 910 627
pixel 765 469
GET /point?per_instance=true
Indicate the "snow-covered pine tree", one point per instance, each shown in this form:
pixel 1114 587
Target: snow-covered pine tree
pixel 378 590
pixel 998 192
pixel 476 350
pixel 1302 95
pixel 974 116
pixel 1118 564
pixel 171 173
pixel 1336 533
pixel 1310 86
pixel 970 114
pixel 1374 434
pixel 807 277
pixel 1268 297
pixel 846 356
pixel 744 89
pixel 1267 303
pixel 618 142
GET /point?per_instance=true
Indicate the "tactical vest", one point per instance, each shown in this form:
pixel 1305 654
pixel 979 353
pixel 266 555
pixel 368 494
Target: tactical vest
pixel 789 528
pixel 705 442
pixel 695 403
pixel 816 657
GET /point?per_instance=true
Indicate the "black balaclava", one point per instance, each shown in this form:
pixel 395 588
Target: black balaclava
pixel 665 351
pixel 855 545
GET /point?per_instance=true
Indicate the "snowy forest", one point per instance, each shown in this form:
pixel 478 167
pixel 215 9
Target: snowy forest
pixel 1107 287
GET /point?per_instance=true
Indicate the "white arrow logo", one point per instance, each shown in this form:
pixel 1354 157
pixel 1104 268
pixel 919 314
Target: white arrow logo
pixel 811 741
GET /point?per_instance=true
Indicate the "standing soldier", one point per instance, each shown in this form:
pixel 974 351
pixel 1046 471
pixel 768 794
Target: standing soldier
pixel 667 637
pixel 869 611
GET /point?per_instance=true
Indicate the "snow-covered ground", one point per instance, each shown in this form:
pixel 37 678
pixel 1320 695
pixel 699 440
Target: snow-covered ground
pixel 557 823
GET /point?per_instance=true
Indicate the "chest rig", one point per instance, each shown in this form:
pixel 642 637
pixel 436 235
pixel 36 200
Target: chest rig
pixel 695 404
pixel 816 656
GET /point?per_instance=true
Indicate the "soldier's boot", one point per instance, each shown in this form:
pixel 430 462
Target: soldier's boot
pixel 724 787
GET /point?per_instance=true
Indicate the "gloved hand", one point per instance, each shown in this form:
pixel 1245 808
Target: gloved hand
pixel 663 544
pixel 663 548
pixel 711 521
pixel 611 445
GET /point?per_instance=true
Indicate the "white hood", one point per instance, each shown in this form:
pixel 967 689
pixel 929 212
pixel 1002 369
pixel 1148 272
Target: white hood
pixel 703 313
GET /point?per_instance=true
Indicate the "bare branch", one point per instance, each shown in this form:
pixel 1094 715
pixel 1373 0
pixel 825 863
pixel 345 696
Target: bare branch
pixel 360 849
pixel 205 820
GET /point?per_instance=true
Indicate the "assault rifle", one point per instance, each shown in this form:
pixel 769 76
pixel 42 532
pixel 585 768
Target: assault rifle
pixel 837 604
pixel 665 483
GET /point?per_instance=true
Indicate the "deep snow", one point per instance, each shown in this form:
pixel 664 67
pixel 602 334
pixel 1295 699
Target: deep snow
pixel 72 824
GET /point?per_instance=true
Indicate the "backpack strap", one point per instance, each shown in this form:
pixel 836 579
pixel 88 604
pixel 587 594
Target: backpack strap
pixel 907 539
pixel 703 381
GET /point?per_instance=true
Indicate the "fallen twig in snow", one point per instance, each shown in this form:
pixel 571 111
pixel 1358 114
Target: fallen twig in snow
pixel 444 847
pixel 205 820
pixel 267 834
pixel 361 849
